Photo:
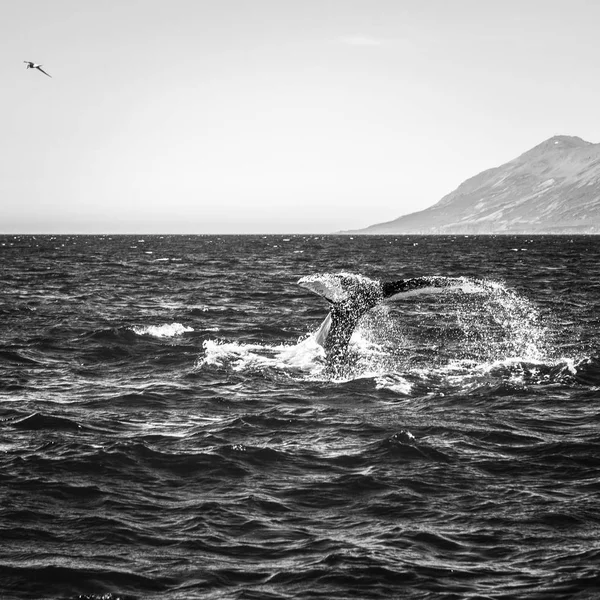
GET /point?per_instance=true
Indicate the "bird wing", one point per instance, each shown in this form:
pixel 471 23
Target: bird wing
pixel 42 70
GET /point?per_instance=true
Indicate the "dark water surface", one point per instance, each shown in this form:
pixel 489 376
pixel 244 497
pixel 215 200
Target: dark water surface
pixel 169 429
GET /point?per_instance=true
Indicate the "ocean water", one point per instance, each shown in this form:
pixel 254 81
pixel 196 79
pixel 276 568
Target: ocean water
pixel 170 429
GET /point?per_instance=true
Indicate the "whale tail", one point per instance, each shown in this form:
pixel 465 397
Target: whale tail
pixel 351 296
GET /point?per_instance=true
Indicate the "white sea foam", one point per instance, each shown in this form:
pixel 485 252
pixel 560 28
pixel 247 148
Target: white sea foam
pixel 304 356
pixel 397 383
pixel 305 359
pixel 162 331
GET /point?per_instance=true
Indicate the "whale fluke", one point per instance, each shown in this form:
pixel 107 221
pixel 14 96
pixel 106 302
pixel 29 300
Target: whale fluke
pixel 351 296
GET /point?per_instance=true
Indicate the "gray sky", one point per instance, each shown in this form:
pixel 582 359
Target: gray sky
pixel 276 116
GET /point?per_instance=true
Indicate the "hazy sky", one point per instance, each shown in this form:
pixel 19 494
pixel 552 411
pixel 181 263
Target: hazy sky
pixel 228 116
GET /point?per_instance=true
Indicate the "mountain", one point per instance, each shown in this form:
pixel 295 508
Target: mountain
pixel 552 188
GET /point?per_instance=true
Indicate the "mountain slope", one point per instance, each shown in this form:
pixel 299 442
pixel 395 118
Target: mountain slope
pixel 552 188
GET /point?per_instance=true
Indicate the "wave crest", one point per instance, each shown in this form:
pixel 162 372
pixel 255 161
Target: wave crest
pixel 162 331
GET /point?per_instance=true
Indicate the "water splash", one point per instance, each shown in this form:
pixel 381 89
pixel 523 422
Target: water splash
pixel 449 336
pixel 501 324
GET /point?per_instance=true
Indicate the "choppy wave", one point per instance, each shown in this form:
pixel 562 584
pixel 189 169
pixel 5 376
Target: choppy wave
pixel 178 433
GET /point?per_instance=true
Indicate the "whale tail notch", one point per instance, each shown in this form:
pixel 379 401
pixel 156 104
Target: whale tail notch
pixel 351 296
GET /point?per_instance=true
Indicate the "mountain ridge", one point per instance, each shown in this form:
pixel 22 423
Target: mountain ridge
pixel 552 188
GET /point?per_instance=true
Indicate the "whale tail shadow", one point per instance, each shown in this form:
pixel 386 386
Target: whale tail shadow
pixel 351 296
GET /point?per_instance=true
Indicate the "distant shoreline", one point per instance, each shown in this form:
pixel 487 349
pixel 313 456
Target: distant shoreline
pixel 337 234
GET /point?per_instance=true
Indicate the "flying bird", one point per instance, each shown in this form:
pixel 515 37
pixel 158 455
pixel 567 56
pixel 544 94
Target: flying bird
pixel 31 65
